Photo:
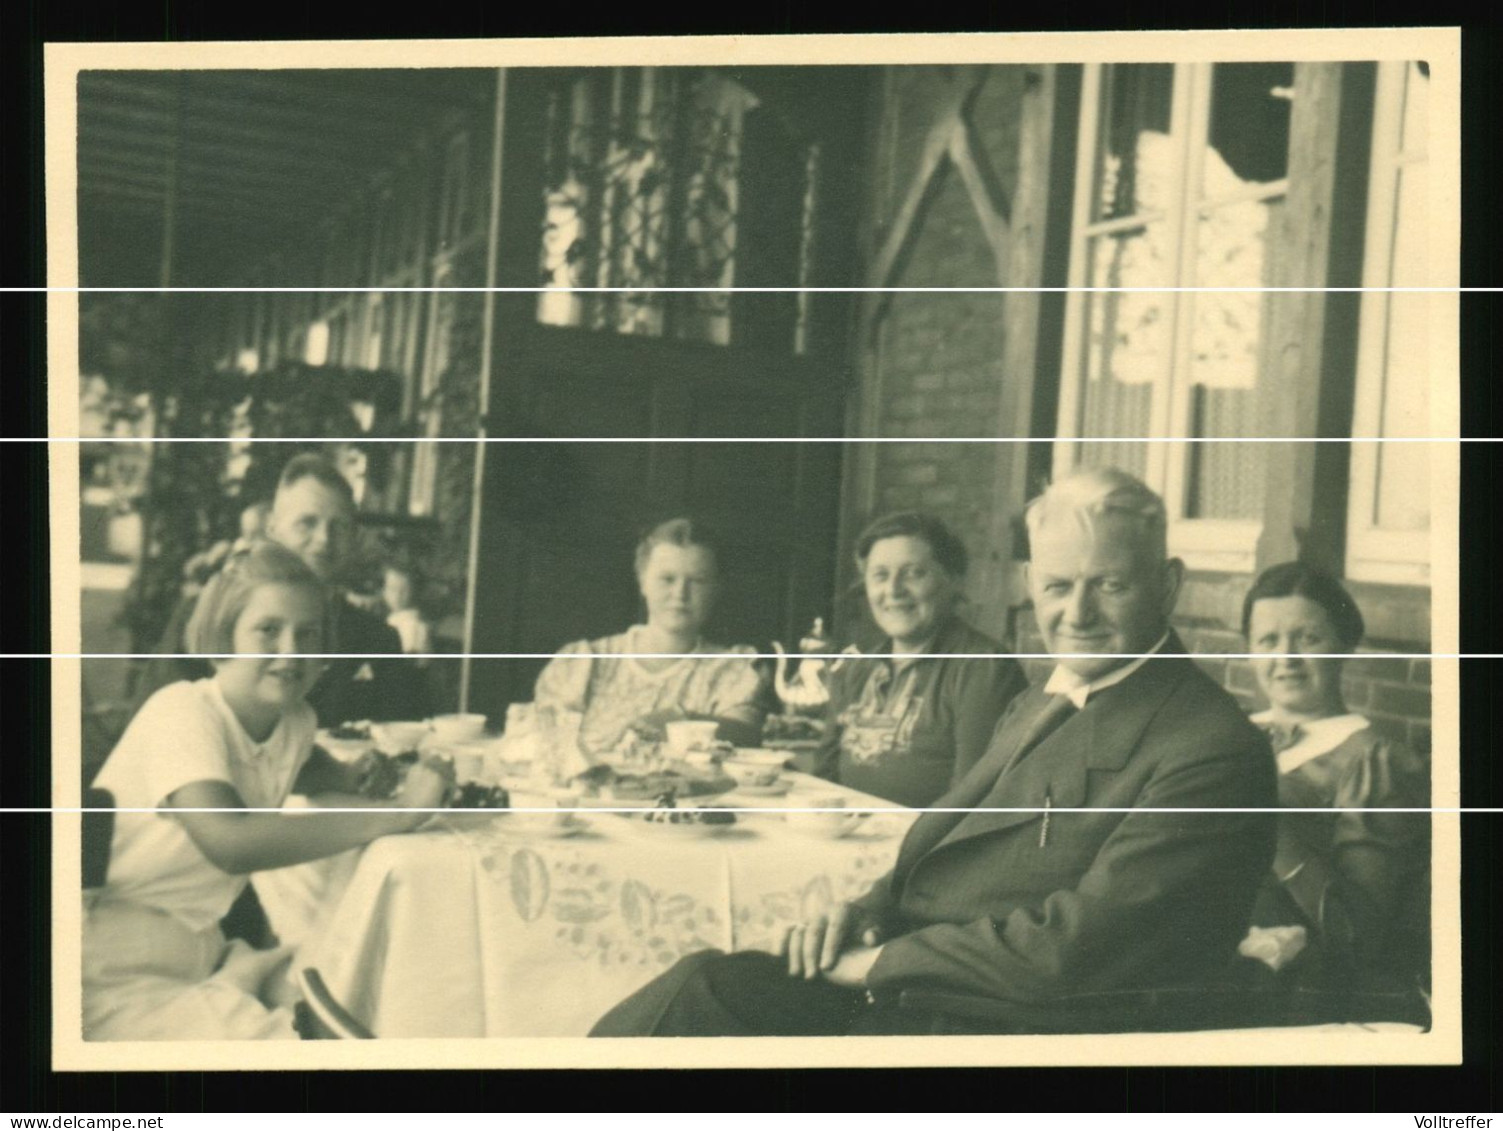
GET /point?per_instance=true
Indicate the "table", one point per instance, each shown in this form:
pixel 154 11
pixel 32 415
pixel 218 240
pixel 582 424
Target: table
pixel 479 927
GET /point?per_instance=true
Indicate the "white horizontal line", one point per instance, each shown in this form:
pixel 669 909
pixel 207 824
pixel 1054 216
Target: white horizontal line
pixel 741 655
pixel 367 440
pixel 862 808
pixel 747 290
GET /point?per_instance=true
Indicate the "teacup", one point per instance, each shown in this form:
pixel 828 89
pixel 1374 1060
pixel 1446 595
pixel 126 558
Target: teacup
pixel 469 761
pixel 346 749
pixel 835 821
pixel 458 728
pixel 398 738
pixel 565 818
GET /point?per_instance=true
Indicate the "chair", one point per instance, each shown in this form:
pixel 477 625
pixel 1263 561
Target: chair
pixel 247 919
pixel 104 721
pixel 321 1017
pixel 97 830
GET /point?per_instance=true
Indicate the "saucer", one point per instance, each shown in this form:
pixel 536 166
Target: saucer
pixel 776 789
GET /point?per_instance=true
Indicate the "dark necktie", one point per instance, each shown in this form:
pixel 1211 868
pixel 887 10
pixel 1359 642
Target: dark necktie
pixel 1046 722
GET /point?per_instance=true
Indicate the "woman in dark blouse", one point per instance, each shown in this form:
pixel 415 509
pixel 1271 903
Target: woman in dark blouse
pixel 904 724
pixel 1345 903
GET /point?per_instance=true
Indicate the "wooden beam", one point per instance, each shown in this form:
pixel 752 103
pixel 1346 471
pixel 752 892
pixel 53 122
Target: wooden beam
pixel 487 356
pixel 104 195
pixel 268 104
pixel 402 93
pixel 140 185
pixel 1024 267
pixel 863 405
pixel 110 119
pixel 1291 366
pixel 894 246
pixel 987 198
pixel 936 147
pixel 244 181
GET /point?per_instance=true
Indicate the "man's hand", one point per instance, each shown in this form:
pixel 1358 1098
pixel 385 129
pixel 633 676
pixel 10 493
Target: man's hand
pixel 815 947
pixel 851 968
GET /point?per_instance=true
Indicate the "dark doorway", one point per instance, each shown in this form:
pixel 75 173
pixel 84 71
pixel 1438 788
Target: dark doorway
pixel 662 178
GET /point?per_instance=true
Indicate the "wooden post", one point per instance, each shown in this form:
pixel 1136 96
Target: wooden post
pixel 863 404
pixel 1024 266
pixel 487 346
pixel 172 179
pixel 1293 362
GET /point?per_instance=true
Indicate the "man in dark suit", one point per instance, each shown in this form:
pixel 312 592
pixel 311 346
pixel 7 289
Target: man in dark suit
pixel 313 516
pixel 1035 905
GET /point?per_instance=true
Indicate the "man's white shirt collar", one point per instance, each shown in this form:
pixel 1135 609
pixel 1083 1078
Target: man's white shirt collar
pixel 1062 681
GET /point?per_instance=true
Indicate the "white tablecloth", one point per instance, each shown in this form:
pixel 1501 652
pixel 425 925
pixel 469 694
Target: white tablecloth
pixel 478 927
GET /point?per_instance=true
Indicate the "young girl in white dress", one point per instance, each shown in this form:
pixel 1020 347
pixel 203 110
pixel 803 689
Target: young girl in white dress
pixel 211 761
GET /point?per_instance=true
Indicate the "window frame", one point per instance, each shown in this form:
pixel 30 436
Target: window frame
pixel 1372 553
pixel 1203 543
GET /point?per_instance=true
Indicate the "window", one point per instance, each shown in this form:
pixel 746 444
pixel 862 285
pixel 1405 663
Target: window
pixel 316 348
pixel 375 331
pixel 339 334
pixel 1389 517
pixel 1182 172
pixel 398 260
pixel 429 409
pixel 453 218
pixel 642 189
pixel 395 351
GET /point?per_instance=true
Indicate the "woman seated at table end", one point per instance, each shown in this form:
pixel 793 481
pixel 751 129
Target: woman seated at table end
pixel 901 726
pixel 1340 907
pixel 619 693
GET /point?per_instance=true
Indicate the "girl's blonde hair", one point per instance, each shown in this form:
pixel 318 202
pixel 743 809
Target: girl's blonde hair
pixel 211 629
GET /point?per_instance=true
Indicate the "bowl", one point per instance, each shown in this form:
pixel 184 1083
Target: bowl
pixel 346 749
pixel 772 759
pixel 459 728
pixel 398 738
pixel 750 773
pixel 691 734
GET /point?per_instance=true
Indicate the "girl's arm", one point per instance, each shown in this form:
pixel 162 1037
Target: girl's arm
pixel 243 842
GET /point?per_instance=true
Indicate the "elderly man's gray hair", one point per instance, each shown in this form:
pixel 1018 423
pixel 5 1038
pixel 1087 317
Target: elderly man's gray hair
pixel 1095 493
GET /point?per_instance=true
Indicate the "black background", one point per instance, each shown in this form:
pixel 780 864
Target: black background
pixel 27 1084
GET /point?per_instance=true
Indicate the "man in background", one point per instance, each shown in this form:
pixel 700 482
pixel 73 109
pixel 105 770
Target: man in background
pixel 312 514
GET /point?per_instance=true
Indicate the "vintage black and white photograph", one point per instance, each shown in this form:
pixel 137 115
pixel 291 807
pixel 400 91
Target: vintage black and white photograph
pixel 942 540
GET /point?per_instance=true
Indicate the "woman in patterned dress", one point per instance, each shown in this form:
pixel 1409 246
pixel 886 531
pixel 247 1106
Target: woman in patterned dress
pixel 912 716
pixel 618 683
